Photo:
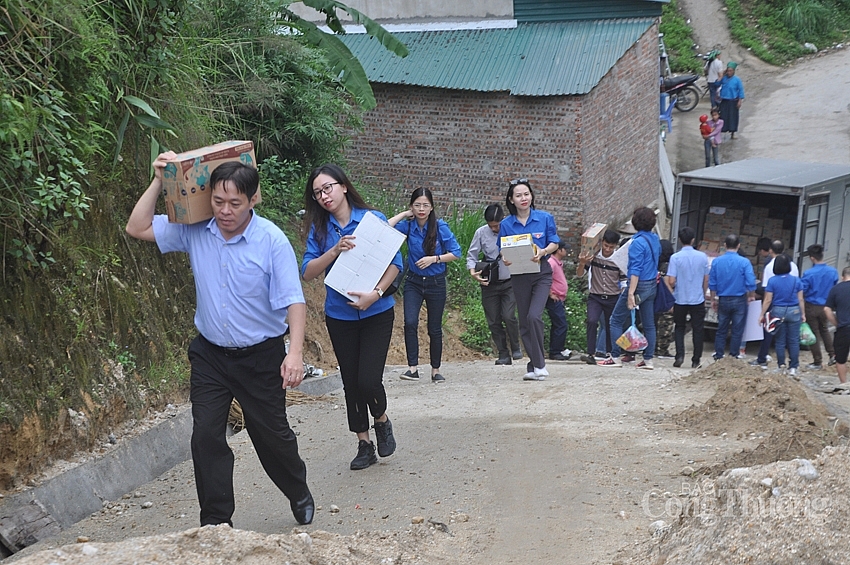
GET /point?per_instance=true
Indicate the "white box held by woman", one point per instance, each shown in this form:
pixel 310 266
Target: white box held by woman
pixel 519 250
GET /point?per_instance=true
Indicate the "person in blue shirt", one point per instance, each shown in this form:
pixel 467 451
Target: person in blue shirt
pixel 531 290
pixel 817 281
pixel 248 295
pixel 360 325
pixel 688 276
pixel 732 285
pixel 731 98
pixel 430 245
pixel 641 287
pixel 783 298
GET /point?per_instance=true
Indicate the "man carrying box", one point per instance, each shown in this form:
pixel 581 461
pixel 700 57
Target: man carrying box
pixel 247 287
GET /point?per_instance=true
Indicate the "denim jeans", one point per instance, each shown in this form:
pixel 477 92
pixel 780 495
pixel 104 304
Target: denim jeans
pixel 731 310
pixel 646 290
pixel 433 291
pixel 788 334
pixel 559 326
pixel 711 152
pixel 599 310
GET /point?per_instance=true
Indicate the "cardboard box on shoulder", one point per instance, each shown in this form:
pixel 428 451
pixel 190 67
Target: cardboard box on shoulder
pixel 592 236
pixel 519 250
pixel 185 180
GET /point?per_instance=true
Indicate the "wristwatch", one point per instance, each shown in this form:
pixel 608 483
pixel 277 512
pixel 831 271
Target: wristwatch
pixel 379 291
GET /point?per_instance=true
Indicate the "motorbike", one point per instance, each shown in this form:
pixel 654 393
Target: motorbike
pixel 685 89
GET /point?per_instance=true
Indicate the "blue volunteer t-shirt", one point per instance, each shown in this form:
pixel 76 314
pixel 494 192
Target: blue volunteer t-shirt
pixel 784 288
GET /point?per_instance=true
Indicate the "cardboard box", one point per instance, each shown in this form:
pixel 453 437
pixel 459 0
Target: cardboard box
pixel 185 179
pixel 519 250
pixel 592 236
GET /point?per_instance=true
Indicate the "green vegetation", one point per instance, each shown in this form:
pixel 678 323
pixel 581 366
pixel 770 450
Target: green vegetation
pixel 774 30
pixel 678 38
pixel 90 92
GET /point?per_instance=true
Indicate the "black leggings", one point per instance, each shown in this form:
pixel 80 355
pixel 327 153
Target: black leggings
pixel 361 350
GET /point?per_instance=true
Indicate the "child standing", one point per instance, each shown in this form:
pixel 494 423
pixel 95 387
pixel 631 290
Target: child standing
pixel 713 139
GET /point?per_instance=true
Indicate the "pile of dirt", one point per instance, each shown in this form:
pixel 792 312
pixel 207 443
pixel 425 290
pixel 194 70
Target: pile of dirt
pixel 765 406
pixel 220 544
pixel 782 513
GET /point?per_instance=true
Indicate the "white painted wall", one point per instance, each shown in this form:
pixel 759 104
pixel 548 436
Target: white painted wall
pixel 421 10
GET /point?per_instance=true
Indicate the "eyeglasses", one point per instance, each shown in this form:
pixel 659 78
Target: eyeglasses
pixel 325 189
pixel 419 206
pixel 515 182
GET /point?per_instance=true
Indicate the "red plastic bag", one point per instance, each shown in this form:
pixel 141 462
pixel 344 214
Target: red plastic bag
pixel 632 340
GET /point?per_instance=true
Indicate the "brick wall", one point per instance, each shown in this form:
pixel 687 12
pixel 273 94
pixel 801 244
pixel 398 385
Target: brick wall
pixel 589 158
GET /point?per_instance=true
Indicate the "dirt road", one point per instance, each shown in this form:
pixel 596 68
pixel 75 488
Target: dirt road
pixel 568 470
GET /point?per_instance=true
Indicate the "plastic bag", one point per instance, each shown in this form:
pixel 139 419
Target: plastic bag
pixel 632 339
pixel 807 336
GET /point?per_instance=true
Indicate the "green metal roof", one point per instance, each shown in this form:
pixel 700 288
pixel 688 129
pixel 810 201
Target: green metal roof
pixel 532 59
pixel 552 10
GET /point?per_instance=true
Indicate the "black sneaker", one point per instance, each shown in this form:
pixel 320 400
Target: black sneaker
pixel 695 364
pixel 365 455
pixel 437 379
pixel 503 361
pixel 408 376
pixel 588 359
pixel 831 361
pixel 517 354
pixel 678 362
pixel 384 436
pixel 558 357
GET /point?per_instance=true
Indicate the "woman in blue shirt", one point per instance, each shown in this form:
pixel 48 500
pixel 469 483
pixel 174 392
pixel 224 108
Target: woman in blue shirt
pixel 531 290
pixel 359 325
pixel 731 98
pixel 430 245
pixel 644 254
pixel 783 297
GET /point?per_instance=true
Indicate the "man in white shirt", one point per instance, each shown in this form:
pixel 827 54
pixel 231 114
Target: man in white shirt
pixel 776 248
pixel 712 76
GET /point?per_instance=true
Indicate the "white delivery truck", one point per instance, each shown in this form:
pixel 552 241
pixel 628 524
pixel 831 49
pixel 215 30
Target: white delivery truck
pixel 798 203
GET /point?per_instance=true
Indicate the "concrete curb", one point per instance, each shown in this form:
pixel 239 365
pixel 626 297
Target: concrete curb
pixel 81 491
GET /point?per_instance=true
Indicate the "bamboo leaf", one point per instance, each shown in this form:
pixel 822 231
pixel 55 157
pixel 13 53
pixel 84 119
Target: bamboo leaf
pixel 140 104
pixel 154 123
pixel 119 138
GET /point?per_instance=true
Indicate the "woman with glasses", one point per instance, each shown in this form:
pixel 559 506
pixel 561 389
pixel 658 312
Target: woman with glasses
pixel 430 245
pixel 531 290
pixel 359 325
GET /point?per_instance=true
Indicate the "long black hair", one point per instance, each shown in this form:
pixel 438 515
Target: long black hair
pixel 429 246
pixel 318 217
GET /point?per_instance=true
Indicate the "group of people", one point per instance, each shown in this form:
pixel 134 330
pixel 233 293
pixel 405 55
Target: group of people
pixel 249 297
pixel 726 94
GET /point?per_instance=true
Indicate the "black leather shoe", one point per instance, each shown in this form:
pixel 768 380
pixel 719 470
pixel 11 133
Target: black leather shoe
pixel 678 362
pixel 504 361
pixel 303 509
pixel 517 354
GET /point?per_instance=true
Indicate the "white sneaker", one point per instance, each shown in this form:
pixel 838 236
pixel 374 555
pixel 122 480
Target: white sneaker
pixel 768 358
pixel 541 372
pixel 792 373
pixel 567 353
pixel 532 376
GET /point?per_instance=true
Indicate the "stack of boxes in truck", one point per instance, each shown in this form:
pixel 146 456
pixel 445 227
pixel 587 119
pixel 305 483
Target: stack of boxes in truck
pixel 749 225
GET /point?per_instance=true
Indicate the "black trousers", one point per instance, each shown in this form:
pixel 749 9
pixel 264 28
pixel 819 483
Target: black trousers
pixel 361 350
pixel 697 313
pixel 254 380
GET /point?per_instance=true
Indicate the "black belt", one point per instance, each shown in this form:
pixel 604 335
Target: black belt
pixel 606 296
pixel 245 351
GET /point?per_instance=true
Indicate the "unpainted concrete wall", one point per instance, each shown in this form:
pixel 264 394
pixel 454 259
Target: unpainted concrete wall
pixel 421 10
